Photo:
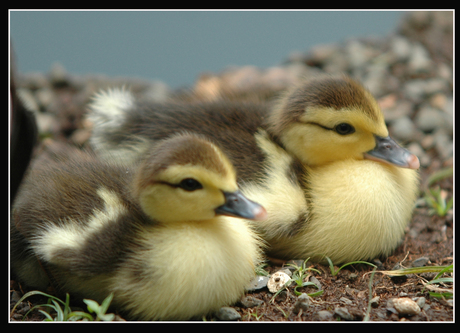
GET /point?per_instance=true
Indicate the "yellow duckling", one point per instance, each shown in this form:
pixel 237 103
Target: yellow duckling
pixel 155 234
pixel 319 160
pixel 360 185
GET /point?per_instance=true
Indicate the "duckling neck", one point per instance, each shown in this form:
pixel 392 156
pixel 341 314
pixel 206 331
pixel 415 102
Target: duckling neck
pixel 204 243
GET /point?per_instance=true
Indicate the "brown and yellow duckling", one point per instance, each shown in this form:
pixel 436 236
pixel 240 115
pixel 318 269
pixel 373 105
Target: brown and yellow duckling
pixel 161 235
pixel 319 160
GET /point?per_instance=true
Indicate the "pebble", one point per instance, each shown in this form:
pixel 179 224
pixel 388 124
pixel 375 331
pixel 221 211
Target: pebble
pixel 403 129
pixel 414 90
pixel 15 297
pixel 406 306
pixel 421 301
pixel 376 80
pixel 250 302
pixel 419 60
pixel 417 149
pixel 44 97
pixel 379 264
pixel 427 142
pixel 281 296
pixel 259 282
pixel 228 314
pixel 323 315
pixel 443 144
pixel 343 313
pixel 357 53
pixel 390 306
pixel 316 282
pixel 401 108
pixel 420 262
pixel 428 119
pixel 303 302
pixel 23 310
pixel 346 300
pixel 401 48
pixel 287 271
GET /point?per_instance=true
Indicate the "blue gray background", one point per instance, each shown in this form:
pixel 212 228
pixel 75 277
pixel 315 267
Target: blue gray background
pixel 176 46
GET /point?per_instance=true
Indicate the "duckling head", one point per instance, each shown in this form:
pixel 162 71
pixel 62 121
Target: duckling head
pixel 188 178
pixel 331 118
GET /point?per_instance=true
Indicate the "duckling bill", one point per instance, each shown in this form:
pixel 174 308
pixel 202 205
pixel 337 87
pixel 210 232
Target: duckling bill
pixel 237 205
pixel 388 151
pixel 161 235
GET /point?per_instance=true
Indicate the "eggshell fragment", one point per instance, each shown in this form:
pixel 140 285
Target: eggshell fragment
pixel 277 281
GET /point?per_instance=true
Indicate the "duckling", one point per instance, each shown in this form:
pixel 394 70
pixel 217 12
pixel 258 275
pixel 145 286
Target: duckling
pixel 360 185
pixel 319 159
pixel 168 236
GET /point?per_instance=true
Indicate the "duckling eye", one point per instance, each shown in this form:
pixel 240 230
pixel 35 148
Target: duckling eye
pixel 190 184
pixel 344 129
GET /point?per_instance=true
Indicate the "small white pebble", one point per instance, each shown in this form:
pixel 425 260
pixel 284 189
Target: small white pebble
pixel 420 302
pixel 406 306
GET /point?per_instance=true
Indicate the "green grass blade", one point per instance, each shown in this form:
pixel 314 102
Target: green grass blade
pixel 441 174
pixel 32 293
pixel 419 270
pixel 335 272
pixel 441 295
pixel 318 293
pixel 39 306
pixel 331 266
pixel 93 306
pixel 304 284
pixel 439 280
pixel 447 269
pixel 59 312
pixel 79 315
pixel 106 303
pixel 368 312
pixel 46 314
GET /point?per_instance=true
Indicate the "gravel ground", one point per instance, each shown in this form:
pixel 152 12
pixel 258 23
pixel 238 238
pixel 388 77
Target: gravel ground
pixel 410 72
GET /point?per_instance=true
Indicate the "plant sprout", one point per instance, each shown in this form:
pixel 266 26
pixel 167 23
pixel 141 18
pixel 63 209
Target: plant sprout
pixel 66 314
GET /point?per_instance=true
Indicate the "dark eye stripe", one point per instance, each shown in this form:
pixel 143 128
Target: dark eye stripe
pixel 341 129
pixel 188 184
pixel 316 124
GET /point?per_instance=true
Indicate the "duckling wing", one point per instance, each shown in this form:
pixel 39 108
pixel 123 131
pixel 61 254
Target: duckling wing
pixel 74 216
